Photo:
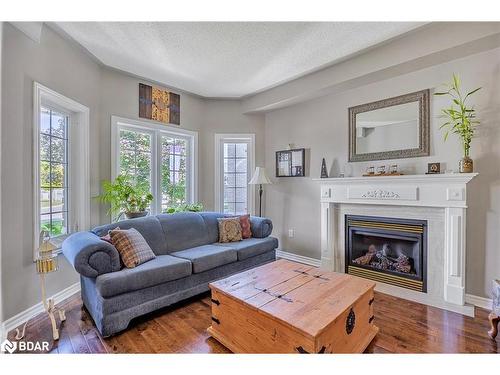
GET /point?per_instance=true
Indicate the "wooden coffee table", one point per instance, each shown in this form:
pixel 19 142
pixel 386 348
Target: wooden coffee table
pixel 288 307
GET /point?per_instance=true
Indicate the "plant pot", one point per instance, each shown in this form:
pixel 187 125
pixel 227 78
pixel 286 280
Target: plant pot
pixel 134 215
pixel 466 165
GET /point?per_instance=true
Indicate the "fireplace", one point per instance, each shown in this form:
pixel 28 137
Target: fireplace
pixel 388 250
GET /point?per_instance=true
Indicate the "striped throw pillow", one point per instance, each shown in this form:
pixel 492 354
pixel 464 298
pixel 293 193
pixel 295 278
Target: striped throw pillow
pixel 131 246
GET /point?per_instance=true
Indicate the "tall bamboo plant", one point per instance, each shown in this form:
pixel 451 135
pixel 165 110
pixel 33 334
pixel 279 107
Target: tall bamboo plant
pixel 460 117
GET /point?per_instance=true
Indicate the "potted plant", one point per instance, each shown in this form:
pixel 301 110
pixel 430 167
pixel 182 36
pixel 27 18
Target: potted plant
pixel 126 198
pixel 460 120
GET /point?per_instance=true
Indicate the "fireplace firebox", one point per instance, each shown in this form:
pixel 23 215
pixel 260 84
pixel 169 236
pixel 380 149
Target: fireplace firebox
pixel 387 250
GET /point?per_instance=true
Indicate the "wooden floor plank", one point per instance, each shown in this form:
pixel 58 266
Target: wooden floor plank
pixel 405 327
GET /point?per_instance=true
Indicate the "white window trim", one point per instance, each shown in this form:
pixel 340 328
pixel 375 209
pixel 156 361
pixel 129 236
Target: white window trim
pixel 79 160
pixel 220 138
pixel 156 130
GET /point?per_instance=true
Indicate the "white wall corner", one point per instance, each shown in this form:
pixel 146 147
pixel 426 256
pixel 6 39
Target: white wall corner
pixel 32 30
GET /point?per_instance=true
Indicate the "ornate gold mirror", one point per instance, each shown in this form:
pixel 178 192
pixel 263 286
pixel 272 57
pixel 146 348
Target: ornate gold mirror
pixel 392 128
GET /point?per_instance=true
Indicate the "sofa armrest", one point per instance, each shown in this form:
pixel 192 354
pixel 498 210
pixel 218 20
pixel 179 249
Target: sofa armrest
pixel 89 255
pixel 261 227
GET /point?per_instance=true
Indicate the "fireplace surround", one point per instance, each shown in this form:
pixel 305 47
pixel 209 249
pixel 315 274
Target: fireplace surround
pixel 389 250
pixel 439 199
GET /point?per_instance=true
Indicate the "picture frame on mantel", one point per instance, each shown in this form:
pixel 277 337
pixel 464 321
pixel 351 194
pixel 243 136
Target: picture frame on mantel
pixel 291 163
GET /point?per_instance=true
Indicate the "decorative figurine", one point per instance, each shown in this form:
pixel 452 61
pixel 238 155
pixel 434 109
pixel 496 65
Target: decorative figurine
pixel 324 172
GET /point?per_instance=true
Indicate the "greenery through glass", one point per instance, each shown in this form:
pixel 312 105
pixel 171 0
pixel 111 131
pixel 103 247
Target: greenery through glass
pixel 173 173
pixel 460 117
pixel 53 146
pixel 135 159
pixel 191 207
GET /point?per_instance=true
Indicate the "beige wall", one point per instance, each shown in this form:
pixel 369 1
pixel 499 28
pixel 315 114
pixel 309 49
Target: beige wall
pixel 119 97
pixel 207 117
pixel 66 68
pixel 55 64
pixel 321 126
pixel 225 116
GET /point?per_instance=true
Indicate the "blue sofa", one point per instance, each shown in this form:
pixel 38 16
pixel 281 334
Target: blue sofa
pixel 188 257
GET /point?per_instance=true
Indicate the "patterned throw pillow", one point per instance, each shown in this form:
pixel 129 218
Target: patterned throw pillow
pixel 246 232
pixel 229 229
pixel 131 246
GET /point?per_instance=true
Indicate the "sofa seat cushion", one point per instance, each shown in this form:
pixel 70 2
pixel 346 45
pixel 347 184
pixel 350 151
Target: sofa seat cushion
pixel 207 257
pixel 161 269
pixel 253 246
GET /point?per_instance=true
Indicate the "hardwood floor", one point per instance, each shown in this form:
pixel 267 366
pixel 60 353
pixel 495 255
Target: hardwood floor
pixel 405 327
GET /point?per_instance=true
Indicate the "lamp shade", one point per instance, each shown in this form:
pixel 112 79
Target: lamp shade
pixel 259 177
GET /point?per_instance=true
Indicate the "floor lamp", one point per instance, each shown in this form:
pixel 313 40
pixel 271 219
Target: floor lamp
pixel 46 262
pixel 260 178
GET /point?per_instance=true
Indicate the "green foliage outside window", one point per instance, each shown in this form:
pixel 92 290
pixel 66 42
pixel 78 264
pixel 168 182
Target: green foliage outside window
pixel 55 229
pixel 194 207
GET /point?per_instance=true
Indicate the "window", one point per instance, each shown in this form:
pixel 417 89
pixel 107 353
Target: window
pixel 60 164
pixel 135 156
pixel 173 171
pixel 53 171
pixel 159 157
pixel 234 156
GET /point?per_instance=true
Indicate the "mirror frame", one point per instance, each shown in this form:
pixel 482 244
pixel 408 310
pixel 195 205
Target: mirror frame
pixel 422 97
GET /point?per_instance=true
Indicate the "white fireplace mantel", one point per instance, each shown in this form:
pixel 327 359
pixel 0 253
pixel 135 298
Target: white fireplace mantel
pixel 445 191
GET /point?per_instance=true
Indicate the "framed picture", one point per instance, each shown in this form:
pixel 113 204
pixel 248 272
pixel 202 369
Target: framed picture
pixel 158 104
pixel 290 163
pixel 433 168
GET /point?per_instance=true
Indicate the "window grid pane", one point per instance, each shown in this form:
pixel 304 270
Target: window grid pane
pixel 173 172
pixel 53 171
pixel 135 157
pixel 235 178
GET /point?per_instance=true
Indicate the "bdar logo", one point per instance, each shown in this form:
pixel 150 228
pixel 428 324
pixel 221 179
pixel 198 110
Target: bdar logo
pixel 8 346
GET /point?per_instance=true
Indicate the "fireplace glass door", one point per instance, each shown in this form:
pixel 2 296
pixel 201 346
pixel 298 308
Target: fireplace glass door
pixel 387 250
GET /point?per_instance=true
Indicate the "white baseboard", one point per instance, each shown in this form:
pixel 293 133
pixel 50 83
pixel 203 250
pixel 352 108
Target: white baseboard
pixel 298 258
pixel 29 313
pixel 485 303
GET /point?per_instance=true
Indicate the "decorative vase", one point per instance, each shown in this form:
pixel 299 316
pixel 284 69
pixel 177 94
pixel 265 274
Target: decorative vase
pixel 134 215
pixel 466 165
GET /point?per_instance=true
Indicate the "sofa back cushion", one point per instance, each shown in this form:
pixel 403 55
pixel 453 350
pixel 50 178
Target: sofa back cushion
pixel 148 226
pixel 183 230
pixel 212 224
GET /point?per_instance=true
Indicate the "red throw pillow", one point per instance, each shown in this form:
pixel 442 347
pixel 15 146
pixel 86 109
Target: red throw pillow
pixel 107 237
pixel 246 232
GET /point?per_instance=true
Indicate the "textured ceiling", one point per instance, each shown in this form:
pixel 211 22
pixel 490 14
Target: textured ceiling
pixel 220 59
